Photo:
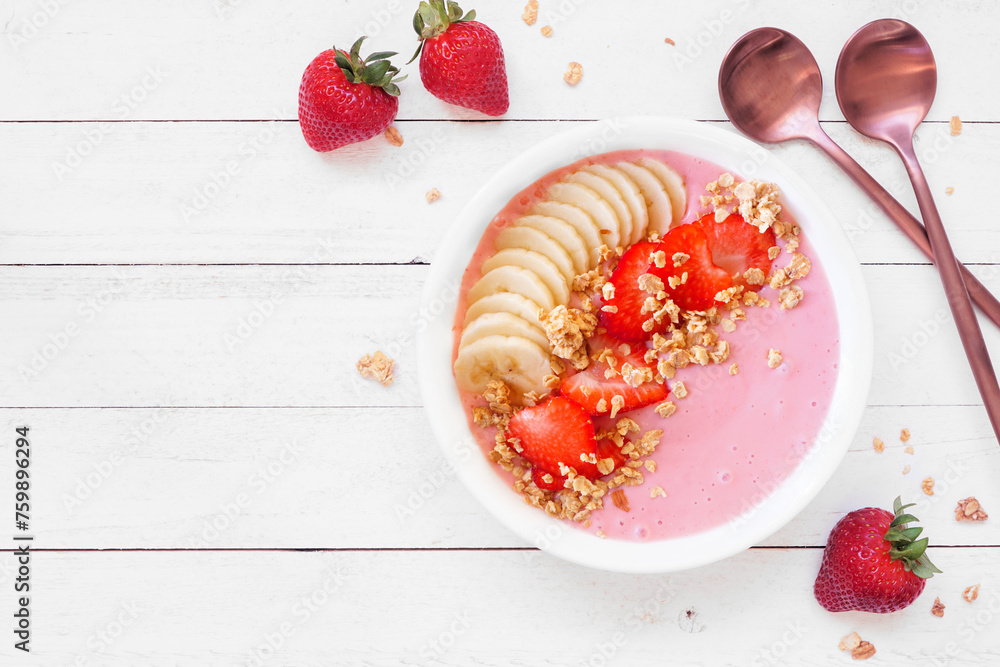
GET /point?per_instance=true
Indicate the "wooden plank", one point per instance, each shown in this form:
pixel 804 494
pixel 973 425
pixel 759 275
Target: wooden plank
pixel 375 477
pixel 485 608
pixel 254 192
pixel 196 60
pixel 290 336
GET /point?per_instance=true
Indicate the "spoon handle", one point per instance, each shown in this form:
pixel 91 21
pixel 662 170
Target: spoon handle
pixel 912 227
pixel 954 287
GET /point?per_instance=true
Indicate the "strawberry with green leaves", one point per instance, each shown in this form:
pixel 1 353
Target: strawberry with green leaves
pixel 873 562
pixel 344 99
pixel 461 60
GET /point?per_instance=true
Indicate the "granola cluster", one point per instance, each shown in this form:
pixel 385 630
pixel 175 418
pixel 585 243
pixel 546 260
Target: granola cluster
pixel 567 330
pixel 970 510
pixel 377 367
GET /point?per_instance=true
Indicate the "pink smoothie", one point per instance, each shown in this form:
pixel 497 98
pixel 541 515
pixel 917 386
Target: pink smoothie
pixel 734 437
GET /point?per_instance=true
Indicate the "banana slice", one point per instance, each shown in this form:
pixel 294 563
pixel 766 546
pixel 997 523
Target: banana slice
pixel 505 302
pixel 673 183
pixel 513 279
pixel 519 362
pixel 564 233
pixel 584 198
pixel 502 324
pixel 533 261
pixel 585 225
pixel 529 238
pixel 610 194
pixel 630 192
pixel 658 203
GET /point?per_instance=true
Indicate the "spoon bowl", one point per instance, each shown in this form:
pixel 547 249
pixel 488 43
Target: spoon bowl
pixel 771 87
pixel 886 80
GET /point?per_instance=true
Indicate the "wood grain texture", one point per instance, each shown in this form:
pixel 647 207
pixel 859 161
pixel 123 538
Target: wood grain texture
pixel 254 192
pixel 240 60
pixel 481 608
pixel 290 335
pixel 168 478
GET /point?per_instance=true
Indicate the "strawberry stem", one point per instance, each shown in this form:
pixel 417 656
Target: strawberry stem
pixel 433 17
pixel 375 71
pixel 905 545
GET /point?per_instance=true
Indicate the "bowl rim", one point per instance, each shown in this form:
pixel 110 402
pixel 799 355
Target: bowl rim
pixel 434 346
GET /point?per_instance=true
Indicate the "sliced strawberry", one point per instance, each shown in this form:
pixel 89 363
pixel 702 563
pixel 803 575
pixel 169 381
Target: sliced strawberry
pixel 626 323
pixel 553 432
pixel 607 449
pixel 704 278
pixel 537 476
pixel 589 387
pixel 737 246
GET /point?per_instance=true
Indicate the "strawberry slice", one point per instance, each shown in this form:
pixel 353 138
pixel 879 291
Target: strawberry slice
pixel 556 483
pixel 737 246
pixel 704 278
pixel 589 387
pixel 553 432
pixel 626 323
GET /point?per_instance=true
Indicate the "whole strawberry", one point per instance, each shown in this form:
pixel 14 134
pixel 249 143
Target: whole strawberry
pixel 344 99
pixel 873 562
pixel 461 60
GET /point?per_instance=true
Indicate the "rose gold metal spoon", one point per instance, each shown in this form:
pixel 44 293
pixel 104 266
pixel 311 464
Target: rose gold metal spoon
pixel 771 87
pixel 886 79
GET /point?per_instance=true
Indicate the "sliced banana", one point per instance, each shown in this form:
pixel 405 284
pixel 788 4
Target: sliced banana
pixel 502 324
pixel 520 363
pixel 505 302
pixel 585 225
pixel 630 192
pixel 544 267
pixel 657 200
pixel 584 198
pixel 672 182
pixel 564 233
pixel 610 194
pixel 513 279
pixel 529 238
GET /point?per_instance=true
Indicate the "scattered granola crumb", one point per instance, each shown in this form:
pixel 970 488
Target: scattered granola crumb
pixel 938 608
pixel 620 500
pixel 530 14
pixel 377 367
pixel 617 404
pixel 773 252
pixel 600 534
pixel 956 126
pixel 850 642
pixel 433 195
pixel 774 358
pixel 734 369
pixel 573 74
pixel 650 465
pixel 679 389
pixel 393 136
pixel 971 593
pixel 863 651
pixel 657 492
pixel 721 214
pixel 970 510
pixel 949 190
pixel 904 435
pixel 878 445
pixel 670 41
pixel 547 31
pixel 928 486
pixel 666 408
pixel 908 450
pixel 906 470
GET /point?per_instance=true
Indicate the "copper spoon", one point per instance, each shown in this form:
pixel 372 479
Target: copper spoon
pixel 885 81
pixel 771 87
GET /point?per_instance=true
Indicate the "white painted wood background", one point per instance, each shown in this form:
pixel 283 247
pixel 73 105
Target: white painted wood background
pixel 211 494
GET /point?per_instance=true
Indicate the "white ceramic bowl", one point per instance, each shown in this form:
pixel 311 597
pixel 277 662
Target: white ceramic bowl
pixel 449 422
